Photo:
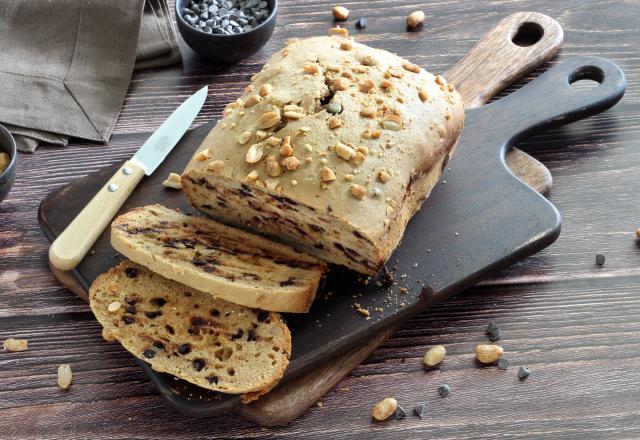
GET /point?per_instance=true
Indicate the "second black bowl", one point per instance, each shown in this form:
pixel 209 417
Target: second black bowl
pixel 226 49
pixel 7 145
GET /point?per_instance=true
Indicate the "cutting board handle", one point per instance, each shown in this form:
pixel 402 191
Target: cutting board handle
pixel 551 100
pixel 515 46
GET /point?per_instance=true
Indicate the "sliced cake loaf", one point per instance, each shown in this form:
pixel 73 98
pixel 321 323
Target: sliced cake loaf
pixel 228 263
pixel 207 341
pixel 332 148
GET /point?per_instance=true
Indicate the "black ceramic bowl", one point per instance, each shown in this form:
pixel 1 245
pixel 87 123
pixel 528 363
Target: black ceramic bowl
pixel 7 145
pixel 226 49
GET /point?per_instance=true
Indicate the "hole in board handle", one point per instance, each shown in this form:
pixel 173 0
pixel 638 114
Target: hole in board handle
pixel 586 78
pixel 528 34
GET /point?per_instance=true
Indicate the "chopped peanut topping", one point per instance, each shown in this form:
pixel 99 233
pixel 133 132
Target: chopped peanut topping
pixel 334 122
pixel 395 72
pixel 244 137
pixel 369 112
pixel 251 177
pixel 249 88
pixel 216 167
pixel 386 84
pixel 252 100
pixel 349 177
pixel 411 67
pixel 346 45
pixel 423 95
pixel 265 89
pixel 357 159
pixel 254 154
pixel 333 68
pixel 364 150
pixel 294 182
pixel 272 184
pixel 440 80
pixel 308 147
pixel 348 74
pixel 312 68
pixel 291 163
pixel 447 116
pixel 450 87
pixel 261 135
pixel 344 151
pixel 392 122
pixel 340 84
pixel 273 167
pixel 203 155
pixel 342 32
pixel 383 176
pixel 367 85
pixel 327 174
pixel 375 134
pixel 286 149
pixel 269 119
pixel 358 191
pixel 340 13
pixel 273 141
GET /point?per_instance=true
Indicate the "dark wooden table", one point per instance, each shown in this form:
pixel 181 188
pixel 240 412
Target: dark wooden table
pixel 575 324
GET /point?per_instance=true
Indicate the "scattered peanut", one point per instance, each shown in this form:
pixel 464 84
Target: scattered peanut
pixel 344 151
pixel 434 355
pixel 251 177
pixel 252 100
pixel 423 95
pixel 367 85
pixel 203 155
pixel 327 174
pixel 440 80
pixel 415 19
pixel 273 141
pixel 369 112
pixel 4 161
pixel 261 135
pixel 244 137
pixel 383 176
pixel 312 68
pixel 357 159
pixel 346 45
pixel 269 119
pixel 265 89
pixel 411 67
pixel 342 32
pixel 293 111
pixel 273 167
pixel 340 84
pixel 488 353
pixel 254 154
pixel 392 122
pixel 64 376
pixel 358 191
pixel 291 163
pixel 334 122
pixel 172 181
pixel 386 84
pixel 14 345
pixel 286 149
pixel 638 233
pixel 384 409
pixel 216 167
pixel 340 13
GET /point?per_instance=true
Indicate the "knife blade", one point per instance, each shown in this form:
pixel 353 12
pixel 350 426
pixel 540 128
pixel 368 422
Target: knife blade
pixel 68 250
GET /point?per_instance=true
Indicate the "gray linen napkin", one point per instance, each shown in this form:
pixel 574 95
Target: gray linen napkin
pixel 65 66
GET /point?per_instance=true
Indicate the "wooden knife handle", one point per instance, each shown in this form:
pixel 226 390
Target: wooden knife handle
pixel 68 250
pixel 517 45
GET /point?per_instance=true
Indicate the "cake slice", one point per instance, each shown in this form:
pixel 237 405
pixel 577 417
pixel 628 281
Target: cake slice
pixel 207 341
pixel 227 263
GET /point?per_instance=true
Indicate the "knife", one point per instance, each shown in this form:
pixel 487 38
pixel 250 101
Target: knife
pixel 68 250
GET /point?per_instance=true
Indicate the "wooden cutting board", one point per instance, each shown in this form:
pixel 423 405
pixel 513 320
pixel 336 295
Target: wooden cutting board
pixel 454 263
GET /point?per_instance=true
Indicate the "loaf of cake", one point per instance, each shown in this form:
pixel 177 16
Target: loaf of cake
pixel 332 148
pixel 207 341
pixel 225 262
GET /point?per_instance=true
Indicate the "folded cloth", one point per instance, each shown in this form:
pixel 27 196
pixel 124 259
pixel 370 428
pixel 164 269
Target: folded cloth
pixel 69 78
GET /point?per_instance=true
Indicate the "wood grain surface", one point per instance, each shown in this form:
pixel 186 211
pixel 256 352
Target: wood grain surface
pixel 574 323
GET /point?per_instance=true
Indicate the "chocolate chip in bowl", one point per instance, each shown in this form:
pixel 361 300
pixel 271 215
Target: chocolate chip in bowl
pixel 226 31
pixel 8 154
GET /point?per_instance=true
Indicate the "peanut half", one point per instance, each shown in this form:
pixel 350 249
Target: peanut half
pixel 434 355
pixel 488 353
pixel 384 409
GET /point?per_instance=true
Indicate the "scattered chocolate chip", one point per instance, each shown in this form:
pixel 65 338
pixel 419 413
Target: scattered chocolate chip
pixel 184 348
pixel 169 329
pixel 262 315
pixel 491 327
pixel 158 344
pixel 444 390
pixel 127 319
pixel 153 314
pixel 600 259
pixel 130 301
pixel 523 373
pixel 197 321
pixel 419 409
pixel 148 353
pixel 212 380
pixel 361 23
pixel 215 312
pixel 503 363
pixel 237 335
pixel 495 335
pixel 158 302
pixel 132 310
pixel 288 282
pixel 251 335
pixel 131 272
pixel 198 364
pixel 400 413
